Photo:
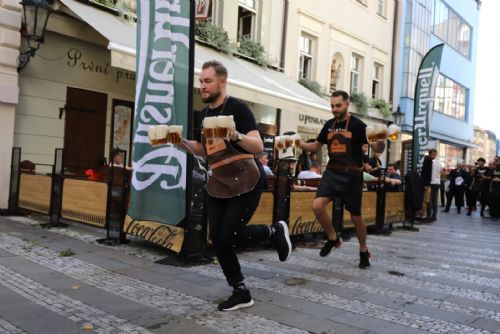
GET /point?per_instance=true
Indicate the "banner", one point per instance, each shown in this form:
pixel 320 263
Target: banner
pixel 425 89
pixel 159 179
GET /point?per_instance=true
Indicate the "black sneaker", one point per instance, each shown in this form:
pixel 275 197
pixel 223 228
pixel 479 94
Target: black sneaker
pixel 327 247
pixel 239 299
pixel 281 240
pixel 364 259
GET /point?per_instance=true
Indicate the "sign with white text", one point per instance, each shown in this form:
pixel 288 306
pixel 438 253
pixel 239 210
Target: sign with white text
pixel 425 92
pixel 158 185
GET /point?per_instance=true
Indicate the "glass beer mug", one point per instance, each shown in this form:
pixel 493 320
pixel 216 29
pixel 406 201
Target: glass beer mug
pixel 394 132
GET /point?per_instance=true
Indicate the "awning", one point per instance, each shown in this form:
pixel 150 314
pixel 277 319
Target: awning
pixel 120 33
pixel 257 84
pixel 247 81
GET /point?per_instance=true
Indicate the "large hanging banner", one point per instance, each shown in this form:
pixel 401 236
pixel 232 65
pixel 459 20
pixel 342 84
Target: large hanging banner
pixel 425 92
pixel 158 186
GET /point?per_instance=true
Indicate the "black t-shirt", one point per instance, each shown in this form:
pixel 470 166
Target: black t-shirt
pixel 243 118
pixel 358 129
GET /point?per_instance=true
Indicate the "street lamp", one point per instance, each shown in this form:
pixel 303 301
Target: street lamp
pixel 35 16
pixel 397 116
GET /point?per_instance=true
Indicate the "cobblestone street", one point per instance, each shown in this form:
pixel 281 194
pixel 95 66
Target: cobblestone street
pixel 443 279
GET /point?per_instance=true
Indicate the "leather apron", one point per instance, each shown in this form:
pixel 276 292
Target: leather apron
pixel 231 172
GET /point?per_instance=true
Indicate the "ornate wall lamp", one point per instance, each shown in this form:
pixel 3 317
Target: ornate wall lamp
pixel 35 16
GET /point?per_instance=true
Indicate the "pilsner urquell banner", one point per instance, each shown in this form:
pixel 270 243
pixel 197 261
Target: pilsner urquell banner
pixel 425 90
pixel 158 186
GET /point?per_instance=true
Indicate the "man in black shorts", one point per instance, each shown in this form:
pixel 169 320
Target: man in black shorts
pixel 344 135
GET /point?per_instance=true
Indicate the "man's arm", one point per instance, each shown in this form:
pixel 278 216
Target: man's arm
pixel 311 147
pixel 193 147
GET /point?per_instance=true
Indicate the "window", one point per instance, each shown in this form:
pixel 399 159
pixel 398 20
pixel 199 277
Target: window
pixel 450 155
pixel 306 57
pixel 451 98
pixel 376 82
pixel 451 28
pixel 417 35
pixel 381 7
pixel 246 19
pixel 355 73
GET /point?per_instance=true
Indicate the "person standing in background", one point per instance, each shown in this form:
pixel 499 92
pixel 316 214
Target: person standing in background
pixel 437 169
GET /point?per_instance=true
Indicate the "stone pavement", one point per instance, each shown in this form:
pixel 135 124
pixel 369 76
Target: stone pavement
pixel 443 279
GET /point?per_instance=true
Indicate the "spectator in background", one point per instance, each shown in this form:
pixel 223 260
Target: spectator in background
pixel 436 172
pixel 305 159
pixel 366 158
pixel 426 174
pixel 393 179
pixel 313 173
pixel 476 180
pixel 458 179
pixel 264 160
pixel 116 157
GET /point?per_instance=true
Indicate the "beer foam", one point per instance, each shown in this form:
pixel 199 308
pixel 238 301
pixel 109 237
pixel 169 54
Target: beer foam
pixel 176 129
pixel 152 133
pixel 225 122
pixel 161 131
pixel 210 122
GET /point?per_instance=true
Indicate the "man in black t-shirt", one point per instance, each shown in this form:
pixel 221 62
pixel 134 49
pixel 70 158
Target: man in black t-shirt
pixel 234 183
pixel 344 136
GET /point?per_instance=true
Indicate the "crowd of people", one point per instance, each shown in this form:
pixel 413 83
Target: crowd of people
pixel 467 186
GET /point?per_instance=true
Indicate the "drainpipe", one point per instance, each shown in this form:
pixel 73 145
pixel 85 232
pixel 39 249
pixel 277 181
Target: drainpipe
pixel 283 35
pixel 394 51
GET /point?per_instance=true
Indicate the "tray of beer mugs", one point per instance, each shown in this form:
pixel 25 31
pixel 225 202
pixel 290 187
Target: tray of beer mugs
pixel 287 141
pixel 218 127
pixel 165 134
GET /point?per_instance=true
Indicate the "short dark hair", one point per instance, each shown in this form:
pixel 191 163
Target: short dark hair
pixel 433 150
pixel 481 159
pixel 114 152
pixel 392 165
pixel 218 67
pixel 315 164
pixel 342 93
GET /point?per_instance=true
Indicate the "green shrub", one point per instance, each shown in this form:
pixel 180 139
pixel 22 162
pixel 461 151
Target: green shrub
pixel 312 85
pixel 361 102
pixel 253 49
pixel 66 252
pixel 214 35
pixel 382 106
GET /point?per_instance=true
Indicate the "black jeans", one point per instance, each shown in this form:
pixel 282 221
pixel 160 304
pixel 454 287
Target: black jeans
pixel 442 193
pixel 228 219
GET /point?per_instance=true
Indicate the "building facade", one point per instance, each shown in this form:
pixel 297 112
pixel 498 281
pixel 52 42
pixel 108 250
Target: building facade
pixel 10 37
pixel 486 146
pixel 422 25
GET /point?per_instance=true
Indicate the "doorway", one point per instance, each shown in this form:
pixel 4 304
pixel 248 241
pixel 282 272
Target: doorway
pixel 84 129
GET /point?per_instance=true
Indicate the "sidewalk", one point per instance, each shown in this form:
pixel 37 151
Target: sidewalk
pixel 443 279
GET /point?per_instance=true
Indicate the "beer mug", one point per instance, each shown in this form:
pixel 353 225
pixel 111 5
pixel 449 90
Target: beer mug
pixel 174 135
pixel 288 141
pixel 162 133
pixel 225 126
pixel 152 135
pixel 381 131
pixel 279 142
pixel 393 132
pixel 296 140
pixel 371 135
pixel 210 127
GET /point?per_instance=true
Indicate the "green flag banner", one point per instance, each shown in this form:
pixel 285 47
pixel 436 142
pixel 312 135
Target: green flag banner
pixel 425 90
pixel 158 185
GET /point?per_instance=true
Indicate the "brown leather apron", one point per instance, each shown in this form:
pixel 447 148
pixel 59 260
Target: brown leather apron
pixel 231 172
